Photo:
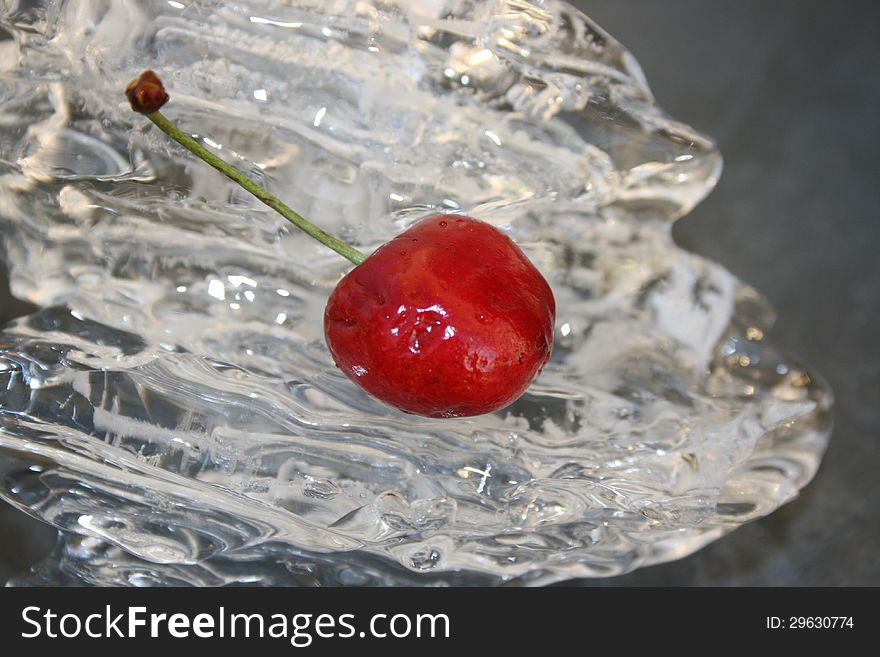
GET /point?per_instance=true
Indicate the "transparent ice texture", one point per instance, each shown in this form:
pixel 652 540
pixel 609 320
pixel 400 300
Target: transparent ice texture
pixel 173 409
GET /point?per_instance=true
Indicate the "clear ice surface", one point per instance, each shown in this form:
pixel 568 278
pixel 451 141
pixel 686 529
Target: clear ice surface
pixel 172 407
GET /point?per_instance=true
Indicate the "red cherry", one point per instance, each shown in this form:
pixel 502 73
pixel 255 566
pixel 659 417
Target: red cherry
pixel 447 319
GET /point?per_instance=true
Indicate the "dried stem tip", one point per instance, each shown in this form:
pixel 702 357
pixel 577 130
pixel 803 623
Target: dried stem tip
pixel 146 93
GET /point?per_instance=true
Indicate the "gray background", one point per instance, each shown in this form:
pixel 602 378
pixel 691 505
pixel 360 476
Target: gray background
pixel 791 92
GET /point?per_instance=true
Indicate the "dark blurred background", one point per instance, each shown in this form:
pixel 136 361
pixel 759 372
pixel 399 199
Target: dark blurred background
pixel 791 92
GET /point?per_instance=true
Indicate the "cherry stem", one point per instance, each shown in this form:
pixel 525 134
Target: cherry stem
pixel 264 195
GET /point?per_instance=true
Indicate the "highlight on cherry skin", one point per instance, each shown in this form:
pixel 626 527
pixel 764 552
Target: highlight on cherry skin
pixel 448 319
